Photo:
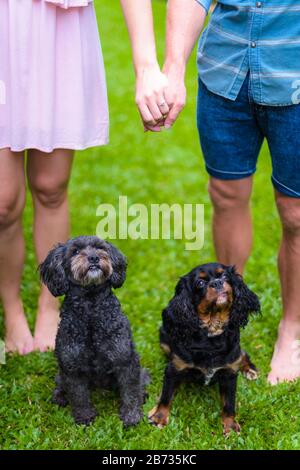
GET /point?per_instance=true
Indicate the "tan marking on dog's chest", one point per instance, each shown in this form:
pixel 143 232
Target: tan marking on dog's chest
pixel 181 365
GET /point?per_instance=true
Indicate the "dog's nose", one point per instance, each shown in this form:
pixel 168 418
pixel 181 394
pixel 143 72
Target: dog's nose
pixel 93 259
pixel 216 284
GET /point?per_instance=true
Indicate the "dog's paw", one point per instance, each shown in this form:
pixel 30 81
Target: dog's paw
pixel 251 373
pixel 59 398
pixel 229 424
pixel 159 416
pixel 85 416
pixel 130 417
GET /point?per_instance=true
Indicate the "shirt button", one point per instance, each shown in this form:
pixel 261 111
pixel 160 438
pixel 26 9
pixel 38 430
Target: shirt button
pixel 258 4
pixel 253 44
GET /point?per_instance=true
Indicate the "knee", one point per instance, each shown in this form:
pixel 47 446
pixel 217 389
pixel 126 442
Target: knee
pixel 11 210
pixel 49 193
pixel 289 211
pixel 226 195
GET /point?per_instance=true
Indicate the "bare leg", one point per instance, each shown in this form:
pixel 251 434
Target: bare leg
pixel 232 226
pixel 48 177
pixel 285 365
pixel 12 199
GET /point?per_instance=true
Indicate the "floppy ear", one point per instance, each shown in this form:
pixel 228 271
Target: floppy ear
pixel 119 265
pixel 245 301
pixel 52 272
pixel 179 314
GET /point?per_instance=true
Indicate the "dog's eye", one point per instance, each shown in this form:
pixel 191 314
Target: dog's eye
pixel 75 252
pixel 200 283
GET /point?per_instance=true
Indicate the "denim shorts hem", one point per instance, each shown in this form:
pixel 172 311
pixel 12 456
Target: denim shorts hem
pixel 284 189
pixel 229 175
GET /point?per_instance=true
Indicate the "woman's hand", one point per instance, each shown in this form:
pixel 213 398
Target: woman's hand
pixel 151 87
pixel 150 81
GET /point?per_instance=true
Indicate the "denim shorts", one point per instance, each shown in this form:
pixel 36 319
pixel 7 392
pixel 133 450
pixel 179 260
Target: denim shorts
pixel 232 133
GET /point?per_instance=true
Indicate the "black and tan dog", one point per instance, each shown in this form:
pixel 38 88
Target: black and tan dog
pixel 94 345
pixel 201 335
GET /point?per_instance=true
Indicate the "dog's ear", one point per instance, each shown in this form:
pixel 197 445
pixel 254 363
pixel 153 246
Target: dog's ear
pixel 52 272
pixel 180 311
pixel 245 301
pixel 119 265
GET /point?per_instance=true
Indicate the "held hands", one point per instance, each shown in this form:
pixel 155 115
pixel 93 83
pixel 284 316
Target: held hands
pixel 160 97
pixel 175 93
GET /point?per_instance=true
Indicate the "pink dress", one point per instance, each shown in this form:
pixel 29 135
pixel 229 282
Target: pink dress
pixel 52 78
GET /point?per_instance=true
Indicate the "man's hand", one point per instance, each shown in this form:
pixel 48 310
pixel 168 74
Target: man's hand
pixel 185 20
pixel 151 83
pixel 175 93
pixel 151 99
pixel 158 100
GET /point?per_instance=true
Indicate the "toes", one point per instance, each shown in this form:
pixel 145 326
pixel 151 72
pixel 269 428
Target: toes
pixel 27 350
pixel 59 398
pixel 251 374
pixel 231 426
pixel 272 379
pixel 131 415
pixel 42 346
pixel 86 417
pixel 158 417
pixel 275 379
pixel 22 349
pixel 131 420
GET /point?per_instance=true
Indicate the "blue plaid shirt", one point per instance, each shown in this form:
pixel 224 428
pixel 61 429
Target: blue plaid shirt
pixel 260 37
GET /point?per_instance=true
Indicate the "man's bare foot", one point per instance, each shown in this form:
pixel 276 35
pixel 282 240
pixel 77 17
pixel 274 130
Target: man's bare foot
pixel 285 364
pixel 18 338
pixel 46 325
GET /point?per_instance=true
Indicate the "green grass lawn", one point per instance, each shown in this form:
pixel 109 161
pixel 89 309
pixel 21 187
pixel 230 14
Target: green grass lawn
pixel 149 168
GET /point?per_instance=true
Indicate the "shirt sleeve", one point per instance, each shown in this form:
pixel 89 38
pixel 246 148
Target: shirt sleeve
pixel 205 4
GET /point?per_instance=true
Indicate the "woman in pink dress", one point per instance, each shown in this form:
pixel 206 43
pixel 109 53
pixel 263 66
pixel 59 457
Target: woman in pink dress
pixel 52 101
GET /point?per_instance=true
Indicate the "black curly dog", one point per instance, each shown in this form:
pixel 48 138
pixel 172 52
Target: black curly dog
pixel 94 345
pixel 201 335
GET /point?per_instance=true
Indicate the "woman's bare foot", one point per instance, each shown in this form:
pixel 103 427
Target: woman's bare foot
pixel 18 338
pixel 285 364
pixel 46 323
